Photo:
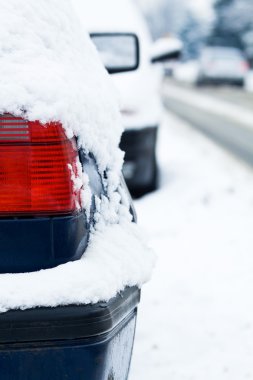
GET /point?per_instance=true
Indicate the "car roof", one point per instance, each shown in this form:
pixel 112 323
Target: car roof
pixel 111 16
pixel 222 50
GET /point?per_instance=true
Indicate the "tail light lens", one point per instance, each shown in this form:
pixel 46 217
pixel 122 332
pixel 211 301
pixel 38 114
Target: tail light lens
pixel 37 164
pixel 245 66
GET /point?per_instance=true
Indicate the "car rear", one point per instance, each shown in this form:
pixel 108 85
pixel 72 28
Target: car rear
pixel 66 308
pixel 92 342
pixel 42 223
pixel 223 65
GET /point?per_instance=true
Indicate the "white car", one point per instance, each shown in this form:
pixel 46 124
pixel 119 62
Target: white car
pixel 121 36
pixel 222 65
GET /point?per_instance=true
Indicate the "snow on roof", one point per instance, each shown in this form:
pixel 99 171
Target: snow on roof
pixel 110 15
pixel 50 68
pixel 166 45
pixel 50 71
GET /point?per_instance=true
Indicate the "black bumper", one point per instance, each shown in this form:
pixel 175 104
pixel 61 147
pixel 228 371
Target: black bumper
pixel 90 342
pixel 140 160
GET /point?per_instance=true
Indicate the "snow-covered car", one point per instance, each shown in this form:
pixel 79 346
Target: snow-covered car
pixel 121 36
pixel 222 65
pixel 71 259
pixel 168 50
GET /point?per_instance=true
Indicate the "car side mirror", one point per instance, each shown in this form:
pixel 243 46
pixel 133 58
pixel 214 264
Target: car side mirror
pixel 119 52
pixel 166 49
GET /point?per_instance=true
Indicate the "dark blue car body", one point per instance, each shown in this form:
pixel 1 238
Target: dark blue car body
pixel 72 343
pixel 48 241
pixel 92 342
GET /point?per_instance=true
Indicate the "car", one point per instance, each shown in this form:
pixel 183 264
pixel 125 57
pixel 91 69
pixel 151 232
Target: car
pixel 222 65
pixel 121 36
pixel 66 310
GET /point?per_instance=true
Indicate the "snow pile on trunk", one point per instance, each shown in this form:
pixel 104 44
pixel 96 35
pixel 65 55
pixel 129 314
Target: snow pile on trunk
pixel 116 258
pixel 50 71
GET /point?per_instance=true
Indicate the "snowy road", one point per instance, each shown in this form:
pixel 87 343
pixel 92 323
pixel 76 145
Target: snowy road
pixel 196 316
pixel 234 95
pixel 224 114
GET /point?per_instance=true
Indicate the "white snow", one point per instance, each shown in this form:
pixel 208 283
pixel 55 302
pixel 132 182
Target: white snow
pixel 166 45
pixel 117 257
pixel 196 314
pixel 110 16
pixel 50 71
pixel 187 72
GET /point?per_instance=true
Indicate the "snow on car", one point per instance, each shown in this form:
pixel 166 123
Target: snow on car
pixel 51 75
pixel 72 260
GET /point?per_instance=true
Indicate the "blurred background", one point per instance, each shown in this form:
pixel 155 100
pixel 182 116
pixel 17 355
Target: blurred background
pixel 196 317
pixel 183 70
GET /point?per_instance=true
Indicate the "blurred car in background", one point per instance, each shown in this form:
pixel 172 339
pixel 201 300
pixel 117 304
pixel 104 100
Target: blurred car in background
pixel 121 36
pixel 222 65
pixel 168 50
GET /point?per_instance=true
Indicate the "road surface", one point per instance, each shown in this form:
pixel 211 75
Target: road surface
pixel 224 114
pixel 196 315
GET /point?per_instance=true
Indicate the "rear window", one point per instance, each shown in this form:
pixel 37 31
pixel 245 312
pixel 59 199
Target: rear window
pixel 222 53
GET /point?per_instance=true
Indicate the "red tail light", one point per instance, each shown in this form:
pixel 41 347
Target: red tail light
pixel 245 66
pixel 36 167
